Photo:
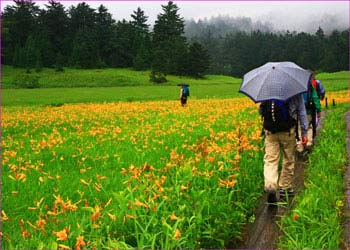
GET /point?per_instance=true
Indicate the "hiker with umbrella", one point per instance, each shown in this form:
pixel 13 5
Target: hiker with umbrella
pixel 278 87
pixel 184 93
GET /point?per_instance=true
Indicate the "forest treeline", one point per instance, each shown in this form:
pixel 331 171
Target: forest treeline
pixel 84 37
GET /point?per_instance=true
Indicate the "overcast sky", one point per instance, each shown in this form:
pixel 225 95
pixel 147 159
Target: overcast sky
pixel 291 15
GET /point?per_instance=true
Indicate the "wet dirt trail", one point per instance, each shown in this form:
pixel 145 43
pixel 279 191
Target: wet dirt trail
pixel 264 232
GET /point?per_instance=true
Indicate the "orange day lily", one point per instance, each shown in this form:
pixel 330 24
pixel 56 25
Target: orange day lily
pixel 173 217
pixel 62 235
pixel 96 214
pixel 80 242
pixel 177 234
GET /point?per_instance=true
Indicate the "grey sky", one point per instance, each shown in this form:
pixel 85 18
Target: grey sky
pixel 291 15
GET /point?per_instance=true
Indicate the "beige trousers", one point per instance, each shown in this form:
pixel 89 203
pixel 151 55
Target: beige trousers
pixel 275 144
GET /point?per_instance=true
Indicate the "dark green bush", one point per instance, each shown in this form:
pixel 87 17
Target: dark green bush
pixel 158 77
pixel 27 81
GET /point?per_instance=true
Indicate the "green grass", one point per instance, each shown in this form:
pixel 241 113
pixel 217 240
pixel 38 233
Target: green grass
pixel 316 220
pixel 335 81
pixel 113 85
pixel 57 96
pixel 49 78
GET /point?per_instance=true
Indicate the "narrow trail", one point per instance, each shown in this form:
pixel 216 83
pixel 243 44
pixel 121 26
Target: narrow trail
pixel 263 233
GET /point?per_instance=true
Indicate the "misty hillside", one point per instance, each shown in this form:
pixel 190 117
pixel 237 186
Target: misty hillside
pixel 220 26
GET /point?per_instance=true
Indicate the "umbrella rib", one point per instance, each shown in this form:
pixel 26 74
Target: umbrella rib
pixel 289 73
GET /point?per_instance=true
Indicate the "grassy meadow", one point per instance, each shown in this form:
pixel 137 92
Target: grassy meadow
pixel 89 167
pixel 49 78
pixel 114 85
pixel 105 85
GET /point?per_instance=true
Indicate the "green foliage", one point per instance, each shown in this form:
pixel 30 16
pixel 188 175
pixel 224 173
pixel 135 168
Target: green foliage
pixel 81 34
pixel 316 220
pixel 142 59
pixel 197 62
pixel 27 81
pixel 157 77
pixel 123 51
pixel 154 161
pixel 59 63
pixel 19 58
pixel 139 21
pixel 85 52
pixel 169 45
pixel 169 24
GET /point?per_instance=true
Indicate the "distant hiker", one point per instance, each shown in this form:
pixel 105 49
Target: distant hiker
pixel 279 119
pixel 184 93
pixel 313 110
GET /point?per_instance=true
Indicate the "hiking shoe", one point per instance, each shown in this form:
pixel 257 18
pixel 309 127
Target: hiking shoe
pixel 271 196
pixel 289 192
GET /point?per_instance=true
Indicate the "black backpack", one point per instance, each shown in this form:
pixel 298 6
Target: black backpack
pixel 276 116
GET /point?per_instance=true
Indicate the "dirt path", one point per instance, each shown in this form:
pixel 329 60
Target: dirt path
pixel 263 233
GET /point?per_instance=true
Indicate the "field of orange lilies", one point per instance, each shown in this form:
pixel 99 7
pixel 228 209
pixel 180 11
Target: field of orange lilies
pixel 126 175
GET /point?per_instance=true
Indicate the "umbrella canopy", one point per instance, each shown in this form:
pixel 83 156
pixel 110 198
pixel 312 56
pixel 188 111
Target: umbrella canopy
pixel 275 80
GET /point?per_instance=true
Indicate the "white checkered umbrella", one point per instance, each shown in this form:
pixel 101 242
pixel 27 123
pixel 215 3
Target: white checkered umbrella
pixel 275 80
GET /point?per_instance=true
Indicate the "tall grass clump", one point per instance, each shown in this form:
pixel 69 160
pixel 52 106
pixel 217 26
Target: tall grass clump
pixel 316 220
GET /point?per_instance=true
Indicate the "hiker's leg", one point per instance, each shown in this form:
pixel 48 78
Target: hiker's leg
pixel 288 144
pixel 271 159
pixel 299 145
pixel 309 131
pixel 182 101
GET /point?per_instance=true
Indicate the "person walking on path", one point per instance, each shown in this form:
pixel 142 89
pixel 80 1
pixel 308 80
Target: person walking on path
pixel 278 86
pixel 313 111
pixel 281 140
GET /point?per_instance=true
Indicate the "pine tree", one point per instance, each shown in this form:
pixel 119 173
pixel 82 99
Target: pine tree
pixel 85 50
pixel 139 22
pixel 19 57
pixel 104 29
pixel 19 21
pixel 169 44
pixel 197 61
pixel 122 42
pixel 81 17
pixel 141 41
pixel 38 61
pixel 31 53
pixel 82 26
pixel 59 62
pixel 53 32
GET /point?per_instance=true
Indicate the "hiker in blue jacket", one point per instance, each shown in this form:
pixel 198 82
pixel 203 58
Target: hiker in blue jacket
pixel 184 93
